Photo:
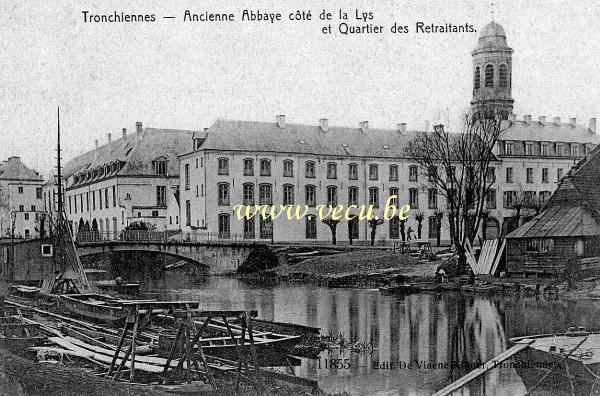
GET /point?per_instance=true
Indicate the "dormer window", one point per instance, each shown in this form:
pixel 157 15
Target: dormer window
pixel 528 148
pixel 559 149
pixel 160 167
pixel 508 148
pixel 544 149
pixel 574 150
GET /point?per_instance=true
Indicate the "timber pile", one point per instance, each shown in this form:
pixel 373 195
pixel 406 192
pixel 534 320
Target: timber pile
pixel 489 258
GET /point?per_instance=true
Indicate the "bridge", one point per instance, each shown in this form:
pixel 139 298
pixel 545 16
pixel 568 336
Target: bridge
pixel 221 253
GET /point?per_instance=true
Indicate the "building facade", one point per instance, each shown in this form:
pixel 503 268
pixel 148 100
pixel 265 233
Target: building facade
pixel 242 162
pixel 131 179
pixel 21 203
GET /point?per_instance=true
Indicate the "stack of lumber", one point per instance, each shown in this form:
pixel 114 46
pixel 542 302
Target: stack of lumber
pixel 489 258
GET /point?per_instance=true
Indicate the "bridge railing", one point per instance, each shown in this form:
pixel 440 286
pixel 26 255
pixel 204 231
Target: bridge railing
pixel 161 236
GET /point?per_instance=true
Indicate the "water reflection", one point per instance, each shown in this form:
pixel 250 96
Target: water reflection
pixel 458 330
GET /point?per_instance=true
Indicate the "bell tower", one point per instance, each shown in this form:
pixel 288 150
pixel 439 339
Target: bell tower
pixel 492 72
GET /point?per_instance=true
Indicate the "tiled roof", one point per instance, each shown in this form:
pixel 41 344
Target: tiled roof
pixel 14 169
pixel 559 221
pixel 549 132
pixel 136 157
pixel 231 135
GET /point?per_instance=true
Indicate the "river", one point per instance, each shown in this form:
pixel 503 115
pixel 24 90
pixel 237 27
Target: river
pixel 454 330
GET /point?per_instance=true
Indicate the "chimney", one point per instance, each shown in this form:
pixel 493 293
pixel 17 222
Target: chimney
pixel 124 133
pixel 96 150
pixel 138 127
pixel 593 124
pixel 364 126
pixel 527 118
pixel 108 137
pixel 280 119
pixel 557 120
pixel 426 126
pixel 324 124
pixel 439 128
pixel 542 119
pixel 573 121
pixel 401 128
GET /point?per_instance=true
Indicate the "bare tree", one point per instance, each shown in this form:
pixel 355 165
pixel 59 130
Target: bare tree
pixel 419 216
pixel 458 165
pixel 373 224
pixel 332 224
pixel 439 215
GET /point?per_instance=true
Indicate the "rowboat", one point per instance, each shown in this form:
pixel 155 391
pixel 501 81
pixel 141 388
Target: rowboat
pixel 98 307
pixel 114 287
pixel 25 291
pixel 18 337
pixel 557 363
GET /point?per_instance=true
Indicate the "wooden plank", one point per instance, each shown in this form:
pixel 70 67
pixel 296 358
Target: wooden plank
pixel 469 256
pixel 498 257
pixel 489 258
pixel 456 385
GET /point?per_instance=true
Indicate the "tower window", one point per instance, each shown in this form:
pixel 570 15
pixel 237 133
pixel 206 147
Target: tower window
pixel 489 76
pixel 477 78
pixel 503 76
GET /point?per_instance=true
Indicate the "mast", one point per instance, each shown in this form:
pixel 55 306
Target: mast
pixel 59 171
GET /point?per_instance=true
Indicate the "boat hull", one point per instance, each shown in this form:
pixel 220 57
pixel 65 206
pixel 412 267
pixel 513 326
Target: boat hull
pixel 78 305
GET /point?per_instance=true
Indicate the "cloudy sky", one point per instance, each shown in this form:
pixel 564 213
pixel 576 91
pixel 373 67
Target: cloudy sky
pixel 176 74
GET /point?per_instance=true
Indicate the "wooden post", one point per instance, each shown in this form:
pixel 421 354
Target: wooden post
pixel 116 355
pixel 237 352
pixel 253 349
pixel 133 340
pixel 172 351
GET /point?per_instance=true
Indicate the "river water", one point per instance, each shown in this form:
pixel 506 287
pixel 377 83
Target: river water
pixel 454 330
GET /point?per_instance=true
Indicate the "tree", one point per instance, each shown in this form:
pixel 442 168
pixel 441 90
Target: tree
pixel 402 230
pixel 439 215
pixel 458 166
pixel 373 224
pixel 419 216
pixel 332 224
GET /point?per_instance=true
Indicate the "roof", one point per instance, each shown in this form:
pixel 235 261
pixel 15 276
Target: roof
pixel 229 135
pixel 492 37
pixel 14 169
pixel 549 132
pixel 559 221
pixel 135 153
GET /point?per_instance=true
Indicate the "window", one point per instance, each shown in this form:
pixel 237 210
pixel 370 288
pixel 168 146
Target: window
pixel 249 228
pixel 574 150
pixel 353 171
pixel 394 228
pixel 509 198
pixel 188 213
pixel 432 173
pixel 529 197
pixel 559 174
pixel 223 166
pixel 503 76
pixel 81 201
pixel 160 167
pixel 38 192
pixel 93 200
pixel 288 168
pixel 26 216
pixel 310 196
pixel 559 149
pixel 413 173
pixel 529 175
pixel 310 169
pixel 288 194
pixel 33 208
pixel 545 196
pixel 489 76
pixel 106 198
pixel 509 148
pixel 509 175
pixel 331 170
pixel 248 192
pixel 413 198
pixel 432 198
pixel 114 196
pixel 544 149
pixel 70 206
pixel 154 214
pixel 332 196
pixel 26 233
pixel 224 194
pixel 394 192
pixel 187 176
pixel 539 245
pixel 544 175
pixel 196 163
pixel 224 226
pixel 20 189
pixel 311 227
pixel 47 251
pixel 352 196
pixel 490 176
pixel 248 167
pixel 450 174
pixel 373 172
pixel 374 197
pixel 265 167
pixel 266 228
pixel 477 78
pixel 433 227
pixel 393 173
pixel 161 196
pixel 353 228
pixel 490 199
pixel 265 194
pixel 87 201
pixel 528 148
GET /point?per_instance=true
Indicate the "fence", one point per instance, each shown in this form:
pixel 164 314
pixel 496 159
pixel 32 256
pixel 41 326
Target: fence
pixel 162 237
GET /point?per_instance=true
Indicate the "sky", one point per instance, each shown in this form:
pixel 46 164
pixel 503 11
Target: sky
pixel 186 75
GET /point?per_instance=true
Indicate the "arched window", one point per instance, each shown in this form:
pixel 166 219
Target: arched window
pixel 310 169
pixel 248 197
pixel 332 196
pixel 249 228
pixel 288 194
pixel 393 172
pixel 248 167
pixel 224 226
pixel 224 194
pixel 311 227
pixel 432 198
pixel 288 168
pixel 332 170
pixel 374 197
pixel 265 194
pixel 489 76
pixel 477 78
pixel 394 228
pixel 266 227
pixel 265 167
pixel 373 172
pixel 353 171
pixel 503 76
pixel 352 196
pixel 310 196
